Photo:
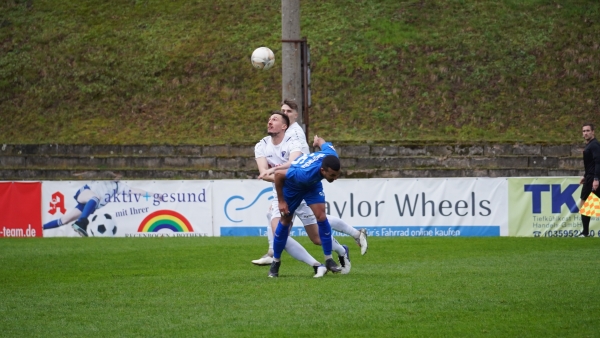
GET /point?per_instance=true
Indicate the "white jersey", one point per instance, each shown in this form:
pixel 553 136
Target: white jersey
pixel 107 190
pixel 296 133
pixel 279 154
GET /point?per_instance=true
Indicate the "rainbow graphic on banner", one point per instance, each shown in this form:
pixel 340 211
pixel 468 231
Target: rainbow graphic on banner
pixel 165 219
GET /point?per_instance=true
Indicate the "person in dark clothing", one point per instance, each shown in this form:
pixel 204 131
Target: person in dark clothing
pixel 591 163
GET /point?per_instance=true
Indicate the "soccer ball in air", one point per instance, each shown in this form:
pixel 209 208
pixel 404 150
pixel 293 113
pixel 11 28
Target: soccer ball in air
pixel 102 225
pixel 262 58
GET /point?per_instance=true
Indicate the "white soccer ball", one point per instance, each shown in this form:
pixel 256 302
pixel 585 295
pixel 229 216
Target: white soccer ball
pixel 262 58
pixel 102 225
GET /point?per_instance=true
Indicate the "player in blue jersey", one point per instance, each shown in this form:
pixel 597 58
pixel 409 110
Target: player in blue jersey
pixel 302 181
pixel 268 162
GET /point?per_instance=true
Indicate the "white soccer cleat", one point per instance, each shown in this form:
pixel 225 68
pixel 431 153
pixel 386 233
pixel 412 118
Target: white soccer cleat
pixel 362 241
pixel 320 271
pixel 345 261
pixel 264 260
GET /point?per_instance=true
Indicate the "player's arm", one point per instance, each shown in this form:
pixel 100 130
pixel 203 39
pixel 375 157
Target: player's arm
pixel 263 169
pixel 127 190
pixel 140 192
pixel 293 156
pixel 261 160
pixel 596 156
pixel 279 182
pixel 295 150
pixel 318 141
pixel 326 147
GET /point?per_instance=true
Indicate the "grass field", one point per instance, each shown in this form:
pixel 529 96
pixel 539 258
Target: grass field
pixel 428 287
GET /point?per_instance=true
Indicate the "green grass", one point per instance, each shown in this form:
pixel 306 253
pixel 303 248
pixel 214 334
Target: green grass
pixel 427 287
pixel 178 72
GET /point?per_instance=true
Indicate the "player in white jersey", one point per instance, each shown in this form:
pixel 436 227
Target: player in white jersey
pixel 277 151
pixel 89 198
pixel 290 108
pixel 305 214
pixel 272 151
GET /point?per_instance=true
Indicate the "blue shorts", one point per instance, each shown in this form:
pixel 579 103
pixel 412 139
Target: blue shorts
pixel 80 206
pixel 293 196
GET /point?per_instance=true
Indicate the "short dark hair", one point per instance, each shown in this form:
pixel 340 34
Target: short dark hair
pixel 291 104
pixel 590 125
pixel 331 161
pixel 286 119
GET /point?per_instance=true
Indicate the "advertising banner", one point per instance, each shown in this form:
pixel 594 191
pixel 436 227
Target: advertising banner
pixel 386 207
pixel 422 207
pixel 20 207
pixel 240 207
pixel 546 207
pixel 128 208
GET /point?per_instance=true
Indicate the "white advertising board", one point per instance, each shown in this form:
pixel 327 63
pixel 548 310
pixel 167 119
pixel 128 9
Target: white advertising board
pixel 129 208
pixel 385 207
pixel 240 207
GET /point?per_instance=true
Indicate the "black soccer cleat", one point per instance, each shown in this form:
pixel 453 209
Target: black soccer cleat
pixel 345 261
pixel 331 266
pixel 320 271
pixel 274 270
pixel 80 226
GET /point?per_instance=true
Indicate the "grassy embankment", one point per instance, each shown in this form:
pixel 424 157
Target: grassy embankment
pixel 178 72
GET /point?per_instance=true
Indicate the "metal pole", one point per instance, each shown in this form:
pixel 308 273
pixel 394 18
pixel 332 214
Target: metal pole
pixel 305 87
pixel 291 76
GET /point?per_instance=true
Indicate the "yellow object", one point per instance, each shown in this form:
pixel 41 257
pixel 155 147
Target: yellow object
pixel 591 207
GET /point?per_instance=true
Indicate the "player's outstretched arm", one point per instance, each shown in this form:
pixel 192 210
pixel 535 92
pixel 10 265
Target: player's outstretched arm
pixel 286 165
pixel 263 169
pixel 279 182
pixel 318 141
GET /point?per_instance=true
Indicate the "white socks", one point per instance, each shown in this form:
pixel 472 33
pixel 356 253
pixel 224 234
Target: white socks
pixel 337 247
pixel 297 251
pixel 270 232
pixel 341 226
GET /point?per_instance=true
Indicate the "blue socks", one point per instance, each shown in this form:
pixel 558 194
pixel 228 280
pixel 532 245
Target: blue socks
pixel 53 224
pixel 282 232
pixel 89 208
pixel 325 235
pixel 280 239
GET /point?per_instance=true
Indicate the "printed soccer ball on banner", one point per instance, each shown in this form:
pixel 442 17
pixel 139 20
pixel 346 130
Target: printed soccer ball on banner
pixel 262 58
pixel 102 225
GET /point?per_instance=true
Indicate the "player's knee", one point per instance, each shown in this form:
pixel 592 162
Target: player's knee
pixel 320 215
pixel 319 211
pixel 321 218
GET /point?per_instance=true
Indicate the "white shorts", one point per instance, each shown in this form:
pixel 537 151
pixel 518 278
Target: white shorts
pixel 304 212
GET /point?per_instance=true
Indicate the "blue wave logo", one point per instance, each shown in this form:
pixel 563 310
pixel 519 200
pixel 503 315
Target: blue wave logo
pixel 237 197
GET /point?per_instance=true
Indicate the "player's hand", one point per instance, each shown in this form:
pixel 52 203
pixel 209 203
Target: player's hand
pixel 261 176
pixel 283 209
pixel 318 141
pixel 266 173
pixel 582 180
pixel 595 185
